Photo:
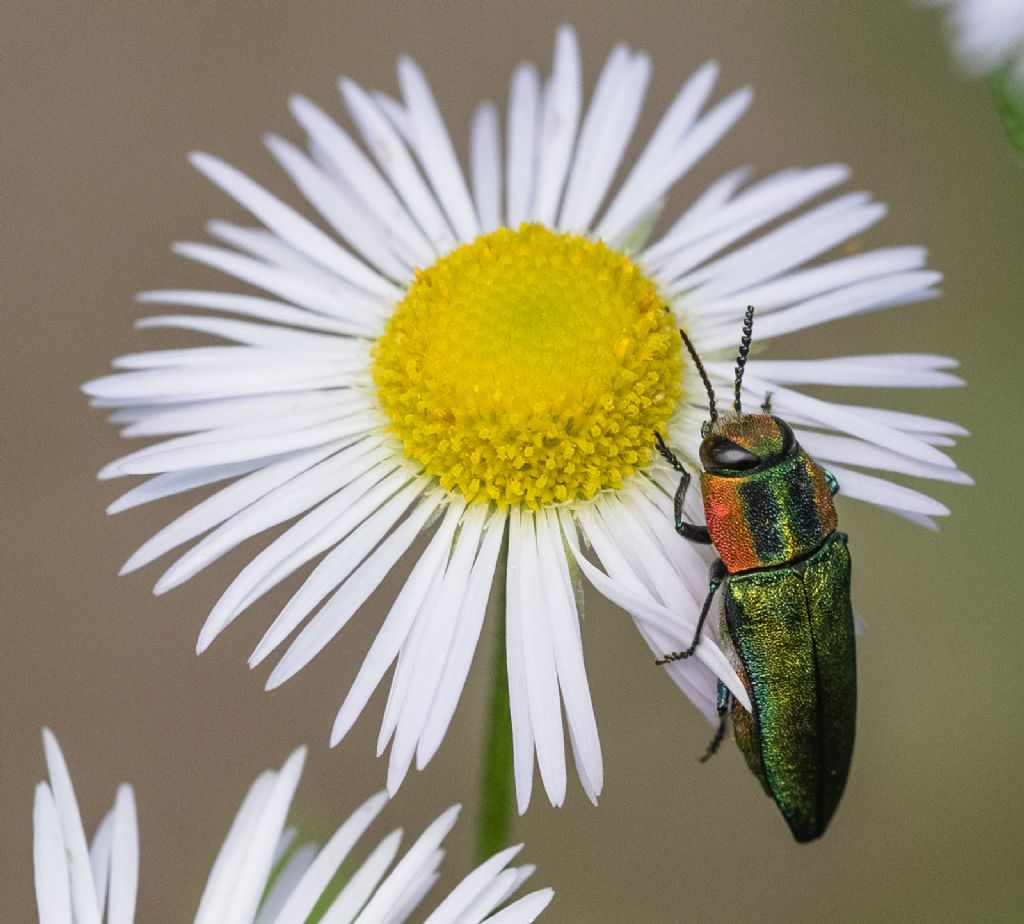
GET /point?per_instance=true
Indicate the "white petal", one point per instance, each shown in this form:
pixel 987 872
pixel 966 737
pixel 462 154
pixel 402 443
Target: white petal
pixel 493 894
pixel 364 881
pixel 652 184
pixel 522 152
pixel 320 872
pixel 247 441
pixel 224 504
pixel 99 858
pixel 485 166
pixel 843 418
pixel 342 211
pixel 622 586
pixel 394 159
pixel 796 242
pixel 647 558
pixel 171 386
pixel 563 619
pixel 515 659
pixel 692 223
pixel 818 280
pixel 911 423
pixel 690 243
pixel 363 180
pixel 538 656
pixel 234 889
pixel 360 309
pixel 674 126
pixel 303 541
pixel 466 637
pixel 204 357
pixel 336 567
pixel 124 859
pixel 408 658
pixel 250 305
pixel 291 227
pixel 83 889
pixel 828 448
pixel 396 626
pixel 606 131
pixel 769 198
pixel 352 472
pixel 284 878
pixel 179 482
pixel 560 116
pixel 434 147
pixel 470 887
pixel 245 332
pixel 417 890
pixel 872 295
pixel 653 507
pixel 887 370
pixel 391 890
pixel 430 661
pixel 267 247
pixel 50 861
pixel 525 910
pixel 193 416
pixel 885 493
pixel 227 866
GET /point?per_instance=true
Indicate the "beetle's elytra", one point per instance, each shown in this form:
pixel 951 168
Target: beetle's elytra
pixel 787 622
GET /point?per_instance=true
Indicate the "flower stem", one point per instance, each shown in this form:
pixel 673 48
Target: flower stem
pixel 497 796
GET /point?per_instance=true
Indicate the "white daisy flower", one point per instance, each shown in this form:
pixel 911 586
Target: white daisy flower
pixel 493 358
pixel 988 35
pixel 262 875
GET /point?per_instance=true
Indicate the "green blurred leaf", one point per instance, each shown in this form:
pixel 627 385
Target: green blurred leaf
pixel 1009 100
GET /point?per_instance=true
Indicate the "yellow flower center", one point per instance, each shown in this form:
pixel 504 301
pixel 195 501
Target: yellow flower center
pixel 529 367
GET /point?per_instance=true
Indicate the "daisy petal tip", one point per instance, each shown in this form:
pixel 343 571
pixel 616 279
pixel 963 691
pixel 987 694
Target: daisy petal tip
pixel 276 678
pixel 296 760
pixel 276 144
pixel 163 585
pixel 205 639
pixel 565 33
pixel 129 567
pixel 49 740
pixel 204 163
pixel 394 781
pixel 118 506
pixel 258 656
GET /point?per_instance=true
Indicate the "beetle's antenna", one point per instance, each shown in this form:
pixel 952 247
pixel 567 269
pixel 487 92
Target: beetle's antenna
pixel 741 359
pixel 703 375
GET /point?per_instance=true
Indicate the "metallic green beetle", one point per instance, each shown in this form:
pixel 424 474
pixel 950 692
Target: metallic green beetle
pixel 787 622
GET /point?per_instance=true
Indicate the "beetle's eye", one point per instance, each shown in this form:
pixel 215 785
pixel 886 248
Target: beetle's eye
pixel 719 452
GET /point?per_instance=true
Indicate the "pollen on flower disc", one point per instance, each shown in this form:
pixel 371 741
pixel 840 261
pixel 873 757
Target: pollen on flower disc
pixel 529 367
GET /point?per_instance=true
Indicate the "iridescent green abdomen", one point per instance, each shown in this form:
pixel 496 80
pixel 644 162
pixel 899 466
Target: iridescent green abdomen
pixel 790 632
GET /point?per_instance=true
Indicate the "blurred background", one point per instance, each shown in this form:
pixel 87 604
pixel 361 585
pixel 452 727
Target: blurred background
pixel 101 104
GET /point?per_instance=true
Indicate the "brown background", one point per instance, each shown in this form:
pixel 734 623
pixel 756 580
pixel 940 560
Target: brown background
pixel 102 101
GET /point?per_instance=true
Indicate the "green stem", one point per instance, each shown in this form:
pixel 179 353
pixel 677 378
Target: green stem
pixel 498 796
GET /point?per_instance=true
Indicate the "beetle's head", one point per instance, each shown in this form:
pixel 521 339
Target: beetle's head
pixel 737 444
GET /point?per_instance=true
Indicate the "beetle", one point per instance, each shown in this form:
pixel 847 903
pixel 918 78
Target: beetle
pixel 786 618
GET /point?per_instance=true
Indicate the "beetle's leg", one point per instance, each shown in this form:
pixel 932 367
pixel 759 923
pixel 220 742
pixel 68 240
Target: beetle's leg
pixel 690 531
pixel 766 407
pixel 724 704
pixel 717 576
pixel 833 485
